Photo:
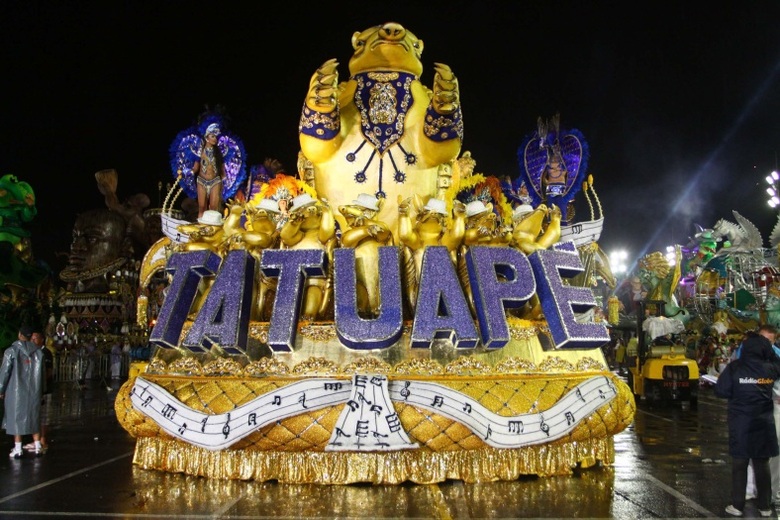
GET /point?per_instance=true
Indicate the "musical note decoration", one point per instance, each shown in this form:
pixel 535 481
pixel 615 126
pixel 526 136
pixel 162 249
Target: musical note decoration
pixel 500 431
pixel 369 421
pixel 218 431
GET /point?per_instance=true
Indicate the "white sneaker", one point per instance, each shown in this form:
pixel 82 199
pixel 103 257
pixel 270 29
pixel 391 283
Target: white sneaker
pixel 763 512
pixel 733 511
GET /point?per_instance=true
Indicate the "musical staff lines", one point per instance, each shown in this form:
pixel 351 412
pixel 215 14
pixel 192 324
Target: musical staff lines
pixel 508 431
pixel 218 431
pixel 369 421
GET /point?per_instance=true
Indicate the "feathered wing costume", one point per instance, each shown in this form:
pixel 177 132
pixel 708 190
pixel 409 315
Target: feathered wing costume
pixel 186 148
pixel 540 150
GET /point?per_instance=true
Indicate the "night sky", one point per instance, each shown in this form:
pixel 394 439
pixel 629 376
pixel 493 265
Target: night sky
pixel 679 101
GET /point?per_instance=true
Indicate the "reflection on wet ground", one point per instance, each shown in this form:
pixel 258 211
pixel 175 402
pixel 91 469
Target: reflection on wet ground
pixel 671 463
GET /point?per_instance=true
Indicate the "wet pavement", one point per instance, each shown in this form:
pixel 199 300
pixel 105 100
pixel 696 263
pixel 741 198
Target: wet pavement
pixel 671 463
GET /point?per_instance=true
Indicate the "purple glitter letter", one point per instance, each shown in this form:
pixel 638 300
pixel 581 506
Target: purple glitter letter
pixel 292 266
pixel 500 277
pixel 442 310
pixel 560 302
pixel 364 334
pixel 187 270
pixel 224 316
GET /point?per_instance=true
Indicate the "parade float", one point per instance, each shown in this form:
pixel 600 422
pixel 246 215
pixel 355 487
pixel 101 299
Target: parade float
pixel 734 280
pixel 386 315
pixel 722 284
pixel 25 282
pixel 96 307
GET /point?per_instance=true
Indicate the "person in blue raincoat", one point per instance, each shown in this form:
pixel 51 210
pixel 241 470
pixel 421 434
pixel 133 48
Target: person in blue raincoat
pixel 21 385
pixel 747 384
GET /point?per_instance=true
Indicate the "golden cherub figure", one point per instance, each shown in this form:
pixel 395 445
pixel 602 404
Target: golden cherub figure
pixel 207 233
pixel 430 228
pixel 312 225
pixel 483 228
pixel 535 228
pixel 261 226
pixel 233 228
pixel 531 231
pixel 366 235
pixel 261 234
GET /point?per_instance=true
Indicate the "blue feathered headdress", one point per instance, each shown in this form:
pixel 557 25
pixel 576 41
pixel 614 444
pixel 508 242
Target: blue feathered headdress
pixel 186 148
pixel 533 156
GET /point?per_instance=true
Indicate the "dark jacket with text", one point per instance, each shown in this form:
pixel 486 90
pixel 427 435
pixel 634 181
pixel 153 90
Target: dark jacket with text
pixel 747 384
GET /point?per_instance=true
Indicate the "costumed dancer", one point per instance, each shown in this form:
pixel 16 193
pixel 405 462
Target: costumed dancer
pixel 210 168
pixel 553 165
pixel 281 189
pixel 208 162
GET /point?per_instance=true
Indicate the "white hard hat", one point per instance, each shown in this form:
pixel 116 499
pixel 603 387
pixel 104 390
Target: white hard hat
pixel 475 207
pixel 367 201
pixel 211 218
pixel 436 206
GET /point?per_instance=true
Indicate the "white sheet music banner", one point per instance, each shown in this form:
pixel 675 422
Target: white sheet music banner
pixel 368 421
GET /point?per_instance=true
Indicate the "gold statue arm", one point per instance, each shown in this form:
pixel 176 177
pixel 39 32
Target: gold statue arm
pixel 446 97
pixel 406 233
pixel 260 240
pixel 552 234
pixel 291 233
pixel 354 236
pixel 380 232
pixel 323 88
pixel 473 236
pixel 454 237
pixel 327 223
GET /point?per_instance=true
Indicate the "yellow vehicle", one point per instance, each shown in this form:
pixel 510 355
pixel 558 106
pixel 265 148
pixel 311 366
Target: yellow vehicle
pixel 662 371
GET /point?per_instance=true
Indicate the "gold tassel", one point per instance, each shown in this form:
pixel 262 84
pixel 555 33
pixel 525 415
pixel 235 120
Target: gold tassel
pixel 613 310
pixel 141 307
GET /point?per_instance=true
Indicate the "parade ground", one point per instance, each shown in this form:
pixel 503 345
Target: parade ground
pixel 671 463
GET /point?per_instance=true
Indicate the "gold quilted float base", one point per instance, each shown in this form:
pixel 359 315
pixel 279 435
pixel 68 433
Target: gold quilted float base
pixel 419 466
pixel 292 450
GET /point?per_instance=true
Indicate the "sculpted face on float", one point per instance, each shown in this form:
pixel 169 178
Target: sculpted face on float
pixel 99 245
pixel 501 278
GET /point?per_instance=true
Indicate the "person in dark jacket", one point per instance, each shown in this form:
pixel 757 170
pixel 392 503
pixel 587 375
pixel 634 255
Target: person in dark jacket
pixel 747 384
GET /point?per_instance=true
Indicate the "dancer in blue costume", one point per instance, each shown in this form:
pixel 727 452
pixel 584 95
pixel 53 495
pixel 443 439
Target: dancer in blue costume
pixel 209 162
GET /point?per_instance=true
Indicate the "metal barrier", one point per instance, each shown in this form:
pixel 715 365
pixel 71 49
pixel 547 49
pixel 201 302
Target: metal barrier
pixel 72 366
